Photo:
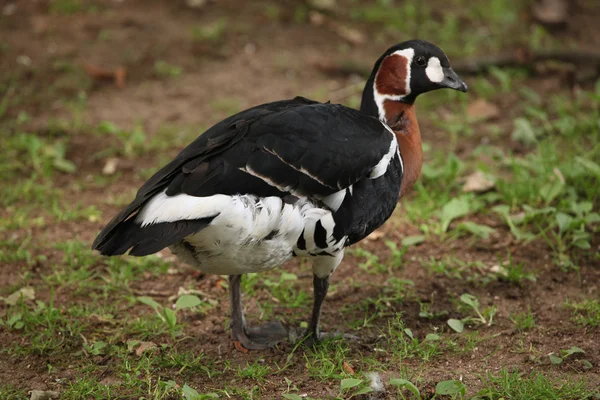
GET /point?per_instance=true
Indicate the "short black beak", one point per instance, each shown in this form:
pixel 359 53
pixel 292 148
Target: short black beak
pixel 452 81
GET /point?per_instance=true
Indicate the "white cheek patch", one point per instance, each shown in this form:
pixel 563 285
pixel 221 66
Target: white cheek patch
pixel 434 70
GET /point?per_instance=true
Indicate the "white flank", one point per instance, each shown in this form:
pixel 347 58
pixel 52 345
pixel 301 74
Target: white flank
pixel 380 98
pixel 163 208
pixel 434 70
pixel 382 165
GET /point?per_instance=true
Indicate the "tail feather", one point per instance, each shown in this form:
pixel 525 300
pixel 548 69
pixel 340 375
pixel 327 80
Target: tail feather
pixel 149 239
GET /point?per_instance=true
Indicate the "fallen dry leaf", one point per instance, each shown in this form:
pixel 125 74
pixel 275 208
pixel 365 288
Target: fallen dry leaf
pixel 550 12
pixel 238 346
pixel 28 293
pixel 350 35
pixel 195 3
pixel 477 182
pixel 348 368
pixel 110 167
pixel 144 347
pixel 43 395
pixel 375 235
pixel 323 5
pixel 316 18
pixel 117 75
pixel 482 110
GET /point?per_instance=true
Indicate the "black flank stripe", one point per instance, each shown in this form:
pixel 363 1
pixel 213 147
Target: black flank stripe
pixel 320 235
pixel 301 242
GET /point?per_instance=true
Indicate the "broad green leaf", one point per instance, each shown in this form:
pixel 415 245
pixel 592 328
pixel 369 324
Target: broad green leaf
pixel 192 394
pixel 582 207
pixel 403 383
pixel 364 390
pixel 413 240
pixel 409 333
pixel 450 388
pixel 149 301
pixel 64 165
pixel 564 222
pixel 555 359
pixel 350 383
pixel 432 337
pixel 288 276
pixel 14 321
pixel 589 165
pixel 586 364
pixel 517 233
pixel 523 132
pixel 483 231
pixel 169 317
pixel 573 350
pixel 551 190
pixel 131 344
pixel 456 324
pixel 455 208
pixel 291 396
pixel 582 244
pixel 470 300
pixel 592 218
pixel 187 301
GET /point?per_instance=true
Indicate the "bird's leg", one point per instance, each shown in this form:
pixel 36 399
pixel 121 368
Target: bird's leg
pixel 320 286
pixel 323 267
pixel 256 338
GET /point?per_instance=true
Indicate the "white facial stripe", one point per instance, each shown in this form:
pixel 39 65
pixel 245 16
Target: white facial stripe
pixel 408 54
pixel 434 70
pixel 381 98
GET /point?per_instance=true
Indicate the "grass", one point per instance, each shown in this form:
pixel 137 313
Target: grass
pixel 585 312
pixel 535 386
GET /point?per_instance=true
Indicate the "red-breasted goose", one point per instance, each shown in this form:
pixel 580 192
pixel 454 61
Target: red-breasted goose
pixel 292 178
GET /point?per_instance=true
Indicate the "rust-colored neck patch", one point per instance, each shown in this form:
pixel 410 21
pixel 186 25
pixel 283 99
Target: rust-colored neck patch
pixel 392 76
pixel 402 119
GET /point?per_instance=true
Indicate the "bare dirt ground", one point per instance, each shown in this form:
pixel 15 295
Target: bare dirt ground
pixel 257 58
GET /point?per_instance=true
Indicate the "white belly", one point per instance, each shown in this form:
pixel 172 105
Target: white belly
pixel 247 233
pixel 250 235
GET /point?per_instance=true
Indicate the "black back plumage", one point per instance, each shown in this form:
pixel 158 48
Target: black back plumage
pixel 301 147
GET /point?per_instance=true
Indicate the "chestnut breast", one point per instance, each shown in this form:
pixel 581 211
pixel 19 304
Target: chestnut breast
pixel 402 119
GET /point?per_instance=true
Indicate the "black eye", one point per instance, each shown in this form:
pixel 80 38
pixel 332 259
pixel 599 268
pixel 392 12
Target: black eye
pixel 420 61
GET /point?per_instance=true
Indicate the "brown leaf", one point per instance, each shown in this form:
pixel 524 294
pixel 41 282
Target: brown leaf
pixel 117 75
pixel 238 346
pixel 375 235
pixel 27 293
pixel 482 110
pixel 323 5
pixel 477 182
pixel 110 167
pixel 550 12
pixel 195 3
pixel 43 395
pixel 350 35
pixel 145 346
pixel 348 368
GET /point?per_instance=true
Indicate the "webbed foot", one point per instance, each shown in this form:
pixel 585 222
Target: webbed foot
pixel 260 337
